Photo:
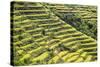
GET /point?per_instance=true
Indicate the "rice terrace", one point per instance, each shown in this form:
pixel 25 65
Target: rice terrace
pixel 48 33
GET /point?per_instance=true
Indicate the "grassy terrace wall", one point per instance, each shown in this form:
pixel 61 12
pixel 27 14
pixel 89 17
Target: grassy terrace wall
pixel 39 36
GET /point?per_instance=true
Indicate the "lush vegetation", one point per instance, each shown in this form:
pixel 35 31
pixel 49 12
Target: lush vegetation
pixel 41 35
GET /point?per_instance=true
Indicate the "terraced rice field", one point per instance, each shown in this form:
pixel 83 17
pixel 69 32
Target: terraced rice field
pixel 40 36
pixel 83 18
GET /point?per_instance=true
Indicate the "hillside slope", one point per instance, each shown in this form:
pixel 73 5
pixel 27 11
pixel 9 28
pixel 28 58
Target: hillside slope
pixel 82 17
pixel 41 37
